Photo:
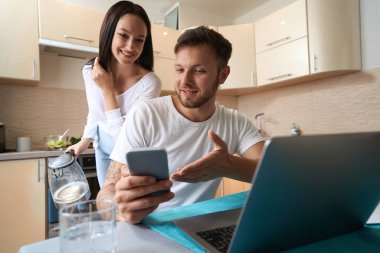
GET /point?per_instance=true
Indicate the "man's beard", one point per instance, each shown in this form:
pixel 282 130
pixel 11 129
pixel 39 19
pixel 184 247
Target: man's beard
pixel 200 101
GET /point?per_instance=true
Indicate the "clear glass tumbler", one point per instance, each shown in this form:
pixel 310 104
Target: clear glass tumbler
pixel 85 228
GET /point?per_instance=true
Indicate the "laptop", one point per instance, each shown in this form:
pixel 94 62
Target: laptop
pixel 305 189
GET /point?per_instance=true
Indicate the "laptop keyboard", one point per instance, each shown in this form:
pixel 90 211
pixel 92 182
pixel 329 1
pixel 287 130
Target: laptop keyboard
pixel 220 238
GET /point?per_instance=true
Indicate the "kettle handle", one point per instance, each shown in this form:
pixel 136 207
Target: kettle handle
pixel 71 152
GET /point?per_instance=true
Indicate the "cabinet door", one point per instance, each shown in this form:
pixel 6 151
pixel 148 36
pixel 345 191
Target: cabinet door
pixel 164 69
pixel 23 209
pixel 282 63
pixel 231 186
pixel 282 26
pixel 242 62
pixel 334 35
pixel 65 22
pixel 164 40
pixel 19 40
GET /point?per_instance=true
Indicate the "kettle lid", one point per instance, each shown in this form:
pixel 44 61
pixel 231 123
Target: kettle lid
pixel 62 161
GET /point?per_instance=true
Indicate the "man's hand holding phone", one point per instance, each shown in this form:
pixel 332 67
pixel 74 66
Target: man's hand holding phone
pixel 144 186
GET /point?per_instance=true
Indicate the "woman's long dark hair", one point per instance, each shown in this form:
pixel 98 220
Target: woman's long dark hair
pixel 108 29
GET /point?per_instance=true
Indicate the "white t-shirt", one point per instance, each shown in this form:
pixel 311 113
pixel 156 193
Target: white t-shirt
pixel 149 86
pixel 156 123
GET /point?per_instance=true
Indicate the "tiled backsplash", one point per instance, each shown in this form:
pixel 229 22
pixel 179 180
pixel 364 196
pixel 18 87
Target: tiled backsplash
pixel 346 103
pixel 40 111
pixel 37 112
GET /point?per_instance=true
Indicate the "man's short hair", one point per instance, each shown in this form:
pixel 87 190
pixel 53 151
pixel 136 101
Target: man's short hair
pixel 204 35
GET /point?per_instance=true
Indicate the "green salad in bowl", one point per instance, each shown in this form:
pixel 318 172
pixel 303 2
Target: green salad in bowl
pixel 53 142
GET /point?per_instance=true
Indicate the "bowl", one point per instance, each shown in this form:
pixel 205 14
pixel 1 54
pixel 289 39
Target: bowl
pixel 53 142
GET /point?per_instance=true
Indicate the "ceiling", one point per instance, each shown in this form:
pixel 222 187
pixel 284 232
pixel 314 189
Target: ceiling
pixel 157 8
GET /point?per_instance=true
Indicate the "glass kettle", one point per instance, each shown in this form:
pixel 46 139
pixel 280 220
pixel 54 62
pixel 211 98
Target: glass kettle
pixel 67 181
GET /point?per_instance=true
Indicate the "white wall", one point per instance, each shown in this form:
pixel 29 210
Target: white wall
pixel 262 11
pixel 370 33
pixel 190 16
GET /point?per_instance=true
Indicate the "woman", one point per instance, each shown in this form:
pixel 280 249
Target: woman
pixel 117 79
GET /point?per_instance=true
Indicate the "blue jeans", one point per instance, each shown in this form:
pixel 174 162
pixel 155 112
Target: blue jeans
pixel 103 148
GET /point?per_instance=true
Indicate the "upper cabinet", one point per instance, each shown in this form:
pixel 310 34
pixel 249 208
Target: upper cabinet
pixel 334 35
pixel 65 25
pixel 242 62
pixel 164 40
pixel 283 26
pixel 307 38
pixel 19 42
pixel 281 63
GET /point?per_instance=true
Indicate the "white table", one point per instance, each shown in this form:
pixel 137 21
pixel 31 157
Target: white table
pixel 130 238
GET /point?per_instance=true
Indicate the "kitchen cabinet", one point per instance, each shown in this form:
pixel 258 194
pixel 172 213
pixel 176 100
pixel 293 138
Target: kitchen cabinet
pixel 164 69
pixel 230 186
pixel 242 62
pixel 327 30
pixel 285 25
pixel 164 40
pixel 66 25
pixel 288 61
pixel 23 209
pixel 334 35
pixel 19 40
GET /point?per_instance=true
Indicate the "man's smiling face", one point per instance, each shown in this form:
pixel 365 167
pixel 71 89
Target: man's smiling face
pixel 197 77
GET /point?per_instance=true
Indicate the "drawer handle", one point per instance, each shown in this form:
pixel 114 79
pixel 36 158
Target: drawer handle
pixel 279 77
pixel 75 38
pixel 277 41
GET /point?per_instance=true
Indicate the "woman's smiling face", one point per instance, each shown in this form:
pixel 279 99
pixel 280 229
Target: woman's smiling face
pixel 129 38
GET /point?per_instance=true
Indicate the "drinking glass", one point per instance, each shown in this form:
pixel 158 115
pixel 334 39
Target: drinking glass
pixel 84 227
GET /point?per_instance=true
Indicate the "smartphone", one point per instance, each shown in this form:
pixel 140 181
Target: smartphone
pixel 149 162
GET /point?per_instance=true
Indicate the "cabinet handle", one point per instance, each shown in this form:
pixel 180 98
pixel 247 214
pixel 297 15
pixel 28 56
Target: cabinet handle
pixel 252 78
pixel 315 62
pixel 34 68
pixel 279 77
pixel 76 38
pixel 156 52
pixel 278 41
pixel 39 171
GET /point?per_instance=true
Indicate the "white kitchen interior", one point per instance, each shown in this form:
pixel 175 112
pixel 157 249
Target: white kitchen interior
pixel 50 97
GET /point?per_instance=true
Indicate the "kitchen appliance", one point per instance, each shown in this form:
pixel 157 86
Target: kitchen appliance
pixel 2 137
pixel 88 164
pixel 67 180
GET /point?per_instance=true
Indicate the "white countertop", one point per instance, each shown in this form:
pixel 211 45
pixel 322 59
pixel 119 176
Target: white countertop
pixel 36 154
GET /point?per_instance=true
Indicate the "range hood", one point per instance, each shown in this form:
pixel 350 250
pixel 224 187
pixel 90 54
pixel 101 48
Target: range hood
pixel 67 49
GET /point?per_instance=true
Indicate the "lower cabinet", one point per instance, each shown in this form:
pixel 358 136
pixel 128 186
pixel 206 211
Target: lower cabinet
pixel 230 186
pixel 23 209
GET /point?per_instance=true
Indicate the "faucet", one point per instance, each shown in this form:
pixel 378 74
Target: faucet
pixel 259 123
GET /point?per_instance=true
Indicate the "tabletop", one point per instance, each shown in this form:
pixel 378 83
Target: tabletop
pixel 130 238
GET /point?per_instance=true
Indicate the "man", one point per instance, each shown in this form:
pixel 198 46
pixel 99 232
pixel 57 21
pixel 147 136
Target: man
pixel 204 140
